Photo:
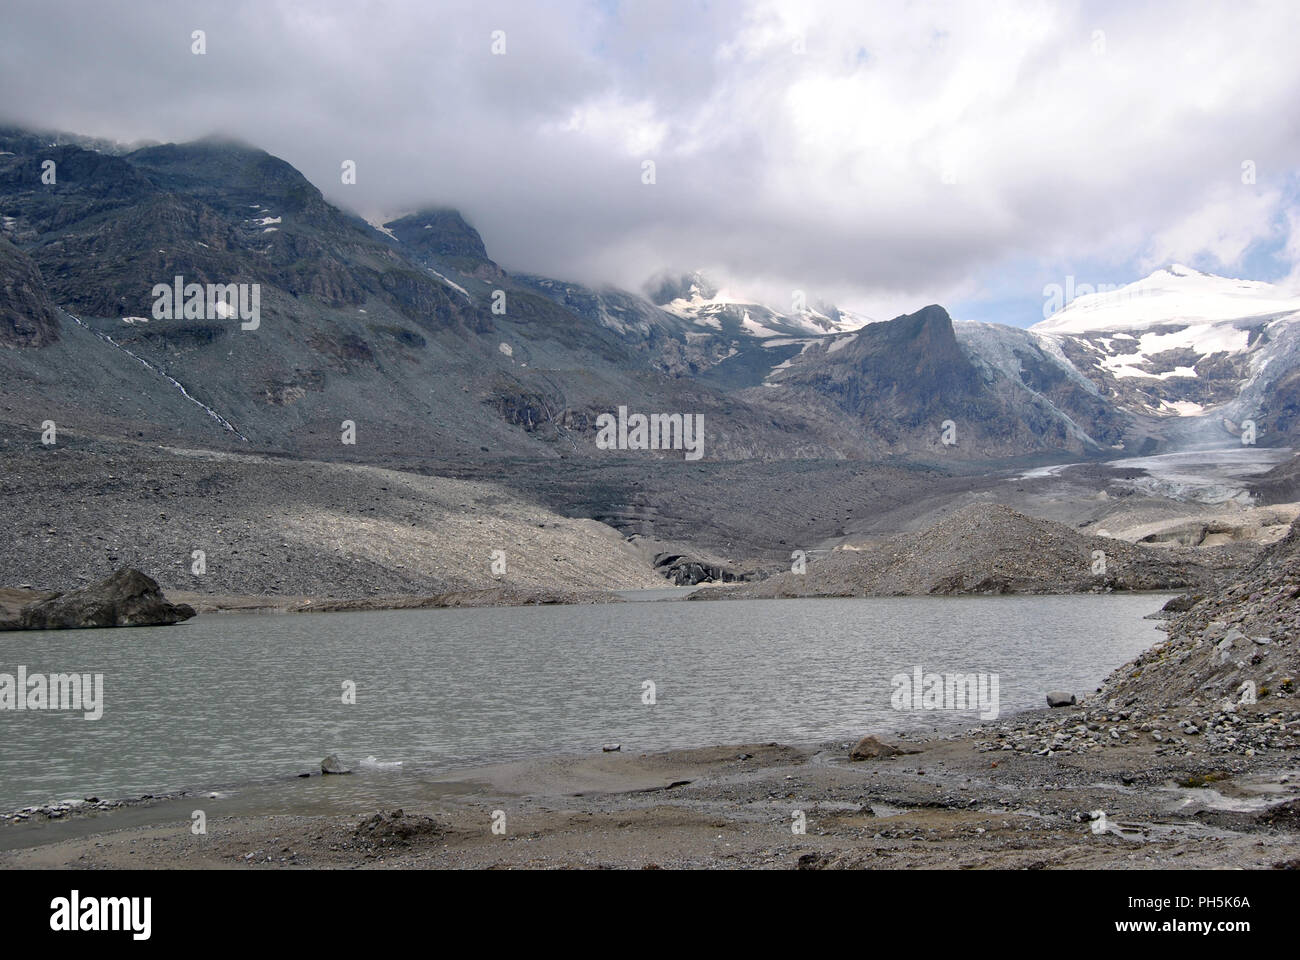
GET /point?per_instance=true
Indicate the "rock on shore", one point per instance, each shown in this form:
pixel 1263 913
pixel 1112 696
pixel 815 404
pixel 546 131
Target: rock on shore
pixel 127 598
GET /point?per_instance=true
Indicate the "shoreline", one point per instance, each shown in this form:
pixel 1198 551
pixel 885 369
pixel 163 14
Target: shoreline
pixel 1092 785
pixel 1019 792
pixel 70 809
pixel 260 604
pixel 964 799
pixel 73 803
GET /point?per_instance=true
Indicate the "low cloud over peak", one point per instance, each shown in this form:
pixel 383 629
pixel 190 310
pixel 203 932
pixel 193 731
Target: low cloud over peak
pixel 880 156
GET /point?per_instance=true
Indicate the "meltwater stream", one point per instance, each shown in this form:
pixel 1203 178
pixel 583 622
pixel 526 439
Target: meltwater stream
pixel 225 700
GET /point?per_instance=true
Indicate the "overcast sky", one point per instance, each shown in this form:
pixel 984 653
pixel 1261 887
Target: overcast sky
pixel 880 155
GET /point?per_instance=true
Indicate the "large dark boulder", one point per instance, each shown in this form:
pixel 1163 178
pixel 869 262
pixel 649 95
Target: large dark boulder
pixel 685 571
pixel 128 598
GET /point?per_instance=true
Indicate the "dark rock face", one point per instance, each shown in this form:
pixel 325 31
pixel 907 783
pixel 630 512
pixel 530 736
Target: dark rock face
pixel 128 598
pixel 1279 485
pixel 910 368
pixel 687 571
pixel 442 236
pixel 27 316
pixel 1280 411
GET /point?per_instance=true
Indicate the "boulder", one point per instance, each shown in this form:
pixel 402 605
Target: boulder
pixel 1059 698
pixel 1183 603
pixel 127 598
pixel 332 764
pixel 396 828
pixel 873 748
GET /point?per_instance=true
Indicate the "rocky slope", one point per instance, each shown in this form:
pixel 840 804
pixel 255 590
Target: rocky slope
pixel 276 527
pixel 1241 641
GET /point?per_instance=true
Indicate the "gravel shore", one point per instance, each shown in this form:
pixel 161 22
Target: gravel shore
pixel 1067 788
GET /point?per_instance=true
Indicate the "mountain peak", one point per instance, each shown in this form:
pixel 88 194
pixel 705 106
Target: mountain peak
pixel 1175 293
pixel 665 287
pixel 1179 270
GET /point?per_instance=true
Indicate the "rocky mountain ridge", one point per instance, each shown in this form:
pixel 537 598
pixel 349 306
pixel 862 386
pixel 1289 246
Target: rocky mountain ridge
pixel 463 355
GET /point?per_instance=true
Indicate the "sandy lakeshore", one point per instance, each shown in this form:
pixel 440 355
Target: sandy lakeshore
pixel 984 797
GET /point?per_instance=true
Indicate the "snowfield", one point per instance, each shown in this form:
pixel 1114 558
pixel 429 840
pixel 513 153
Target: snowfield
pixel 1174 294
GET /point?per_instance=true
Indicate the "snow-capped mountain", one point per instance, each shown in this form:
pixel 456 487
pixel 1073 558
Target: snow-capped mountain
pixel 410 322
pixel 697 299
pixel 1172 294
pixel 1182 343
pixel 694 327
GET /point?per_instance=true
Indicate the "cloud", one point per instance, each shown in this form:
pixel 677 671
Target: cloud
pixel 876 153
pixel 1223 226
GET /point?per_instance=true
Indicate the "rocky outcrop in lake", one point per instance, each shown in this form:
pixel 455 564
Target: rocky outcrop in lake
pixel 127 598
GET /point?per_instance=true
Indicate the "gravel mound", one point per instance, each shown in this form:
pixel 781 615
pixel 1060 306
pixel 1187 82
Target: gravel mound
pixel 992 549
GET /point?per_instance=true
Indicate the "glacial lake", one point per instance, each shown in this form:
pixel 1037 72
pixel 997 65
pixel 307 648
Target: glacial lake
pixel 230 700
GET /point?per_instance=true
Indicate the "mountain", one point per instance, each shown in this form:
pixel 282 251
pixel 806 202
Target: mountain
pixel 393 330
pixel 697 299
pixel 409 330
pixel 403 348
pixel 1185 344
pixel 1000 389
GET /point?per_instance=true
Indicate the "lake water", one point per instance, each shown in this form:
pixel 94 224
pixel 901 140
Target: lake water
pixel 225 700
